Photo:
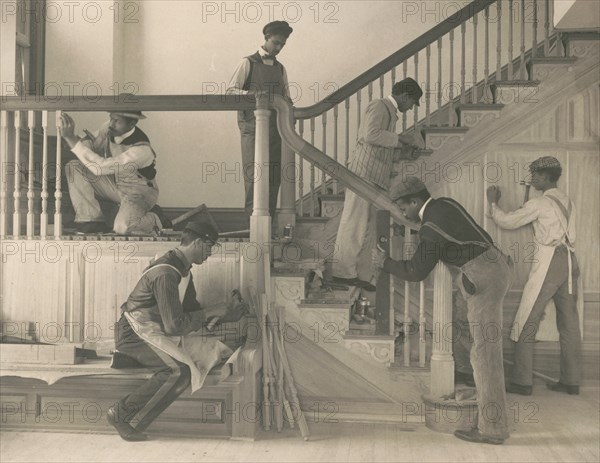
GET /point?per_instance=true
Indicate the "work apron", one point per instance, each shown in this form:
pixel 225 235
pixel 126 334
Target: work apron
pixel 547 331
pixel 198 351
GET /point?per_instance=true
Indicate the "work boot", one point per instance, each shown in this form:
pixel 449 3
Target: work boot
pixel 515 388
pixel 125 430
pixel 560 387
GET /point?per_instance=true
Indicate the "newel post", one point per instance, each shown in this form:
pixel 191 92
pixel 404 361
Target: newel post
pixel 442 362
pixel 287 212
pixel 256 254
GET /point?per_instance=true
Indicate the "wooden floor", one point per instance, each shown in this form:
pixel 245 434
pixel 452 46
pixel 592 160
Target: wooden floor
pixel 545 427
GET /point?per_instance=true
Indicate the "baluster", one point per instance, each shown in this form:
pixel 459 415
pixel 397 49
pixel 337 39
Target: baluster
pixel 392 312
pixel 393 81
pixel 381 83
pixel 404 117
pixel 17 190
pixel 510 39
pixel 422 339
pixel 57 191
pixel 324 149
pixel 416 108
pixel 486 71
pixel 451 86
pixel 301 173
pixel 44 214
pixel 535 28
pixel 3 174
pixel 439 83
pixel 547 28
pixel 370 90
pixel 522 66
pixel 408 242
pixel 347 148
pixel 313 199
pixel 427 85
pixel 30 175
pixel 335 144
pixel 558 43
pixel 474 89
pixel 358 99
pixel 463 65
pixel 499 42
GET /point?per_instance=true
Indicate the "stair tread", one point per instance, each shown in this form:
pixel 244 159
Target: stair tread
pixel 369 337
pixel 444 129
pixel 521 83
pixel 481 107
pixel 553 59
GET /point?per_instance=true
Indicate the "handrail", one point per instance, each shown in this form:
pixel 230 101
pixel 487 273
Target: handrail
pixel 376 196
pixel 122 102
pixel 393 60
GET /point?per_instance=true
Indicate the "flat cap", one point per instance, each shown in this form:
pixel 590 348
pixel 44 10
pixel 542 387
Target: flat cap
pixel 130 114
pixel 203 228
pixel 410 87
pixel 404 186
pixel 278 27
pixel 545 162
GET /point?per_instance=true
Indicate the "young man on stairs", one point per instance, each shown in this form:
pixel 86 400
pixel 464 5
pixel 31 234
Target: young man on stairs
pixel 378 147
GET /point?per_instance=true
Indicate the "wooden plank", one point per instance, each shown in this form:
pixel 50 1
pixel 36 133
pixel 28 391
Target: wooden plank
pixel 60 354
pixel 382 297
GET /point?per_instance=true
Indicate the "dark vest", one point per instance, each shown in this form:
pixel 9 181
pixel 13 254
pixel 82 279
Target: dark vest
pixel 138 137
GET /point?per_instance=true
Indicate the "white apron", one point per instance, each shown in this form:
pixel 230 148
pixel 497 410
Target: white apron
pixel 198 351
pixel 547 330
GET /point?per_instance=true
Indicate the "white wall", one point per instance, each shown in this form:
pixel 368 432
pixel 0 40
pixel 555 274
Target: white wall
pixel 188 47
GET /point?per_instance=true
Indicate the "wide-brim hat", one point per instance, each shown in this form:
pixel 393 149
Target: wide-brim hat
pixel 278 28
pixel 129 114
pixel 401 186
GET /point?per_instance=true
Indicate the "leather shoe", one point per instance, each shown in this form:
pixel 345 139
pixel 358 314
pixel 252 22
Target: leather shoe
pixel 125 430
pixel 515 388
pixel 91 228
pixel 560 387
pixel 355 282
pixel 473 435
pixel 164 220
pixel 464 378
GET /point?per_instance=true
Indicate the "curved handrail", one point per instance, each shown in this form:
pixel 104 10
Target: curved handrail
pixel 393 60
pixel 376 196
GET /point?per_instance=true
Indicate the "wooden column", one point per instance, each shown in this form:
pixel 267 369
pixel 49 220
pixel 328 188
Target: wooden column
pixel 287 212
pixel 442 362
pixel 256 254
pixel 4 123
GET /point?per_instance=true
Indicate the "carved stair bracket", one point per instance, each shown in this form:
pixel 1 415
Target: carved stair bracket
pixel 436 137
pixel 288 291
pixel 381 350
pixel 510 92
pixel 331 205
pixel 472 115
pixel 541 68
pixel 333 321
pixel 582 45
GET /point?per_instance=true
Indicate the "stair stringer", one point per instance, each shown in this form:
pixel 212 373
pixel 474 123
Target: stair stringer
pixel 490 133
pixel 368 375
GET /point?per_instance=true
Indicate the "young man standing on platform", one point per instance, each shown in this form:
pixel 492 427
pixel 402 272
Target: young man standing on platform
pixel 450 235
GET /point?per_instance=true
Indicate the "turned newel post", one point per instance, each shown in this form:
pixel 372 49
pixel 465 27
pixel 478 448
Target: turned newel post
pixel 256 257
pixel 442 362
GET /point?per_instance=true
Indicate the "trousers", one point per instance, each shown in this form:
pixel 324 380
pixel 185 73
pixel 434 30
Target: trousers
pixel 135 200
pixel 555 287
pixel 490 276
pixel 147 402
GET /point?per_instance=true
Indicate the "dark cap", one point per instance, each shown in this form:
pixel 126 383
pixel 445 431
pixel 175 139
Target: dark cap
pixel 404 186
pixel 545 162
pixel 410 87
pixel 204 229
pixel 278 28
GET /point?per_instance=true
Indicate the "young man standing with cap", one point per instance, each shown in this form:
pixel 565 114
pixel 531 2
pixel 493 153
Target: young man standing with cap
pixel 262 72
pixel 158 314
pixel 553 275
pixel 449 234
pixel 118 164
pixel 378 147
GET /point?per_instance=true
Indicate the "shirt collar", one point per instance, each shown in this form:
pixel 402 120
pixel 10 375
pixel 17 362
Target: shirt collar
pixel 184 261
pixel 262 52
pixel 394 102
pixel 119 138
pixel 423 208
pixel 549 190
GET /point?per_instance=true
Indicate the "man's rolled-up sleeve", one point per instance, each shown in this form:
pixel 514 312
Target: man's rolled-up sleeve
pixel 132 159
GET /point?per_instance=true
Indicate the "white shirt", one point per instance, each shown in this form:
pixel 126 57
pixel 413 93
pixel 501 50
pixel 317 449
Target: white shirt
pixel 394 102
pixel 541 213
pixel 422 210
pixel 240 75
